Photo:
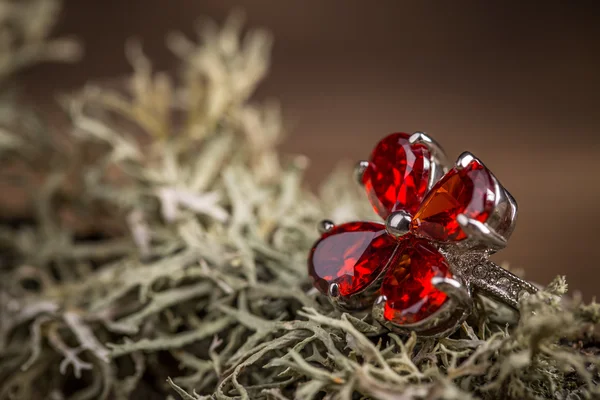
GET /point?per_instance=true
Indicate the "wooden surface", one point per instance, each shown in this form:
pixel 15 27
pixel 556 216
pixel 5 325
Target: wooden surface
pixel 518 85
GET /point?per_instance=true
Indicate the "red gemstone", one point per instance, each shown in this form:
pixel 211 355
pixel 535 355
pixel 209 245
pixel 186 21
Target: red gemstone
pixel 407 285
pixel 397 175
pixel 468 190
pixel 351 255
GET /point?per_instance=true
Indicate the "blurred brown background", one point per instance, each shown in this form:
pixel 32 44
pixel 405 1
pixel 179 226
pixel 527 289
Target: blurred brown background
pixel 517 84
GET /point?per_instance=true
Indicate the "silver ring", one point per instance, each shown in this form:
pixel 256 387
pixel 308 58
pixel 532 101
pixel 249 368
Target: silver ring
pixel 420 250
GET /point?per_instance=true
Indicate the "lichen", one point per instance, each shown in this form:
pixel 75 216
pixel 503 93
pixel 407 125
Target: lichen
pixel 165 256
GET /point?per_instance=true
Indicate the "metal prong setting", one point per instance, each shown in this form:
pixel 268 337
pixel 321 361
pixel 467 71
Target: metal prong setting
pixel 494 233
pixel 465 159
pixel 423 138
pixel 481 232
pixel 325 226
pixel 439 161
pixel 397 223
pixel 380 300
pixel 452 288
pixel 442 322
pixel 359 171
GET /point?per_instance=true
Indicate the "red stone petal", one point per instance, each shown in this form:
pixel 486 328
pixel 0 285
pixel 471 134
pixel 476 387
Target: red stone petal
pixel 468 191
pixel 397 175
pixel 351 255
pixel 407 283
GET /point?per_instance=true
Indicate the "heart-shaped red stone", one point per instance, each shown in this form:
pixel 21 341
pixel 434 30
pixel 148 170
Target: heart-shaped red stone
pixel 410 295
pixel 468 190
pixel 351 255
pixel 397 176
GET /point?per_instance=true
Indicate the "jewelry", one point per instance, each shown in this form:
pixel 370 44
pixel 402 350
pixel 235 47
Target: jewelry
pixel 419 271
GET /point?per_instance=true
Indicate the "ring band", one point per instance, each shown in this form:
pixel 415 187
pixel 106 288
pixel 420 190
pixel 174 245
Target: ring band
pixel 497 283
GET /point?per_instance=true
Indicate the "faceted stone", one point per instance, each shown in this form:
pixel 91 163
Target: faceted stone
pixel 397 176
pixel 407 285
pixel 468 190
pixel 351 255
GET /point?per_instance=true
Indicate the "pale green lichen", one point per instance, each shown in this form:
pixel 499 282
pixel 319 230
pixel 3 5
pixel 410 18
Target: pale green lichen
pixel 192 282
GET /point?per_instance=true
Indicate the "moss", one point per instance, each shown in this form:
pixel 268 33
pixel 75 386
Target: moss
pixel 165 250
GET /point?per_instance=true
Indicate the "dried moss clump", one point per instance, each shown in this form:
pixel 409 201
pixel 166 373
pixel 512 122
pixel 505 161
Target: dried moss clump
pixel 164 255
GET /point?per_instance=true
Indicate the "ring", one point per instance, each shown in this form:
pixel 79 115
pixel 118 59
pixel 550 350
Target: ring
pixel 419 270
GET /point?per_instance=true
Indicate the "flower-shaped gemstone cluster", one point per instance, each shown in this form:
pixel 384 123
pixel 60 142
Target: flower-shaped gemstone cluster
pixel 427 207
